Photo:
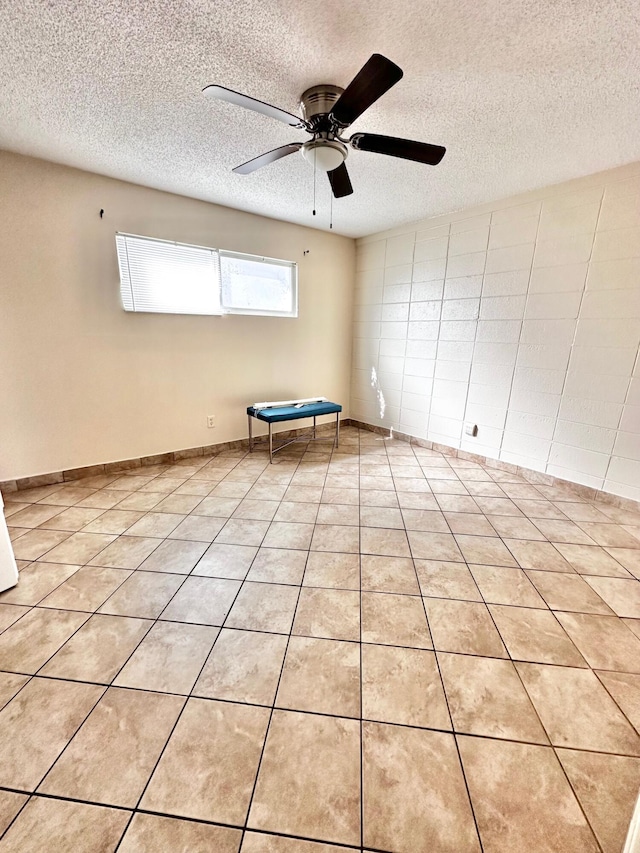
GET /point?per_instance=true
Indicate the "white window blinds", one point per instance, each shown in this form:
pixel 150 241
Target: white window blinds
pixel 177 278
pixel 171 278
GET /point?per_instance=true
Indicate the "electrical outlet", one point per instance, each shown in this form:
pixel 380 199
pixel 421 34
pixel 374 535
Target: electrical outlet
pixel 211 421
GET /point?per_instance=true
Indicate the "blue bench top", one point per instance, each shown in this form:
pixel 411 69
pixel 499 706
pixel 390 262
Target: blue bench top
pixel 290 413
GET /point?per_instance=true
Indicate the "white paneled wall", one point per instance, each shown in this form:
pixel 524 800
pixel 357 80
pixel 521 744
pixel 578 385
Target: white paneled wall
pixel 522 317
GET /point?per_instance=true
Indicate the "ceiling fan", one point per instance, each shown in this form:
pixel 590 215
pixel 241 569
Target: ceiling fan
pixel 327 111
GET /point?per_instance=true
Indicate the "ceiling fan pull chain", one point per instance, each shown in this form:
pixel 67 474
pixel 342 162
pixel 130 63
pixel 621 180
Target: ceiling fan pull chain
pixel 314 182
pixel 331 212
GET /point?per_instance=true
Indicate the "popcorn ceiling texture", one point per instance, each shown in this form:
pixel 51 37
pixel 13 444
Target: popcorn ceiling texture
pixel 522 94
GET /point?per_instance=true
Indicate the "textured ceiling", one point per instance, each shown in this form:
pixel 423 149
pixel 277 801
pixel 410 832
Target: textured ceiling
pixel 523 93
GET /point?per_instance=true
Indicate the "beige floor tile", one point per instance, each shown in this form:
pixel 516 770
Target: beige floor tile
pixel 377 497
pixel 36 581
pixel 502 585
pixel 493 505
pixel 576 710
pixel 37 724
pixel 34 515
pixel 629 558
pixel 425 520
pixel 31 641
pixel 339 571
pixel 278 565
pixel 79 548
pixel 69 495
pixel 169 658
pixel 204 601
pixel 385 517
pixel 441 579
pixel 607 788
pixel 197 528
pixel 403 686
pixel 389 574
pixel 557 530
pixel 142 501
pixel 335 537
pixel 303 494
pixel 434 546
pixel 217 506
pixel 181 504
pixel 244 666
pixel 252 510
pixel 72 519
pixel 542 556
pixel 10 805
pixel 469 523
pixel 156 524
pixel 86 589
pixel 126 552
pixel 535 636
pixel 98 650
pixel 330 613
pixel 414 796
pixel 418 500
pixel 516 810
pixel 568 592
pixel 322 676
pixel 33 544
pixel 226 561
pixel 174 556
pixel 622 596
pixel 113 754
pixel 283 534
pixel 513 527
pixel 592 560
pixel 609 534
pixel 240 532
pixel 264 607
pixel 213 781
pixel 394 620
pixel 114 521
pixel 10 684
pixel 309 781
pixel 337 514
pixel 143 594
pixel 605 641
pixel 457 503
pixel 487 698
pixel 581 511
pixel 465 627
pixel 625 689
pixel 154 833
pixel 10 613
pixel 47 824
pixel 235 490
pixel 265 491
pixel 259 842
pixel 302 513
pixel 485 550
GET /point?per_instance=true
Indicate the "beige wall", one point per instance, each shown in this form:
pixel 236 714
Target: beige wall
pixel 521 316
pixel 83 382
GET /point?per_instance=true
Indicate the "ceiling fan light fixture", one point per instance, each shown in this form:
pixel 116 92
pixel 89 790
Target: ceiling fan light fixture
pixel 326 154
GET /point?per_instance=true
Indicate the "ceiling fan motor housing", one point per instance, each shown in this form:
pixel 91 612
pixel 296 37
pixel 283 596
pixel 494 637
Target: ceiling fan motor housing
pixel 316 104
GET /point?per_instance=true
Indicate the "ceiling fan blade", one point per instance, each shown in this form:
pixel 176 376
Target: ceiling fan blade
pixel 421 152
pixel 268 157
pixel 375 78
pixel 219 93
pixel 340 182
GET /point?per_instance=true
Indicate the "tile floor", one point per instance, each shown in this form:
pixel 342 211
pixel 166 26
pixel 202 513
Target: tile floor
pixel 378 648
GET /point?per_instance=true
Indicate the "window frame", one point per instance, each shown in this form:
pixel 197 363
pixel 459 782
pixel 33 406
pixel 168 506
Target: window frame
pixel 223 310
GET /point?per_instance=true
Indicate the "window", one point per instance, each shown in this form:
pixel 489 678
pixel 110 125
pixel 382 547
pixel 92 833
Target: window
pixel 159 276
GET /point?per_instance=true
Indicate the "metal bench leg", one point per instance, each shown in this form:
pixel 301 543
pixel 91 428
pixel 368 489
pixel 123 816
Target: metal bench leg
pixel 250 434
pixel 270 444
pixel 337 428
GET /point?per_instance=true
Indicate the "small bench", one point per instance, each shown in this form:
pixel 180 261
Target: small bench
pixel 277 414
